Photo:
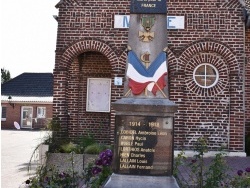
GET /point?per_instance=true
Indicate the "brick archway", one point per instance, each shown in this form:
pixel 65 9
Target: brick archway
pixel 87 45
pixel 172 60
pixel 228 100
pixel 210 46
pixel 62 73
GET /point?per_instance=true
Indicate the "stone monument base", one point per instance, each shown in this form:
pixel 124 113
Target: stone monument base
pixel 133 181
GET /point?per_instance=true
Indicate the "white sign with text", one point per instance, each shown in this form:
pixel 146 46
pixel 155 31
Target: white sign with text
pixel 173 22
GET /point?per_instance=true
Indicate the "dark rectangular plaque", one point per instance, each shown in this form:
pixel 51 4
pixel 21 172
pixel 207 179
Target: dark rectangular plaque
pixel 148 7
pixel 143 145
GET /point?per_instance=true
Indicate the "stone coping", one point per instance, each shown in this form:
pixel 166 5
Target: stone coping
pixel 132 181
pixel 189 153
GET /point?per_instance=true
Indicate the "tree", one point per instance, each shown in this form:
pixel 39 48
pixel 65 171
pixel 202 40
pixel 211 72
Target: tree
pixel 5 75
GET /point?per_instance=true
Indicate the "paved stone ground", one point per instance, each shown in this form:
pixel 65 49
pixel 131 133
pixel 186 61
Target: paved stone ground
pixel 16 149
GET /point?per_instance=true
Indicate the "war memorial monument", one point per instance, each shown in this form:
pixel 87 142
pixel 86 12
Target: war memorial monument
pixel 144 115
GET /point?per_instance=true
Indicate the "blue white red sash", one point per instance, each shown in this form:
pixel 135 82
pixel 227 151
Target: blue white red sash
pixel 151 78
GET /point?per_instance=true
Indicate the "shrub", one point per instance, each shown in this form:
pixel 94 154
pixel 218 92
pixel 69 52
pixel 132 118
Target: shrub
pixel 216 172
pixel 95 148
pixel 51 177
pixel 97 173
pixel 54 125
pixel 242 179
pixel 83 142
pixel 68 147
pixel 213 176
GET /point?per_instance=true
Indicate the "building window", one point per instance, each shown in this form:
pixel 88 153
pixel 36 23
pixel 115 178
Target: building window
pixel 41 112
pixel 206 75
pixel 3 113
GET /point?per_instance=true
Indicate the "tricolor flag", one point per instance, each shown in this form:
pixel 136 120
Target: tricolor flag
pixel 151 78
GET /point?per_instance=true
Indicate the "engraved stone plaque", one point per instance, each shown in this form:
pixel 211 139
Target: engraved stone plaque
pixel 143 145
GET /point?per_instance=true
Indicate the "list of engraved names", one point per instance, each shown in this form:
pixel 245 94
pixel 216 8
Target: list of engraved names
pixel 140 142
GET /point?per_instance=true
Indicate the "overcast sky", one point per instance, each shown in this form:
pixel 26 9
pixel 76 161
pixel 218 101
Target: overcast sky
pixel 28 35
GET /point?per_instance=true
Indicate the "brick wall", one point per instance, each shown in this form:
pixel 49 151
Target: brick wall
pixel 14 114
pixel 88 65
pixel 247 81
pixel 213 34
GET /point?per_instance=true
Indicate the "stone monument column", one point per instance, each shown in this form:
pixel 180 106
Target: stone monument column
pixel 144 132
pixel 147 40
